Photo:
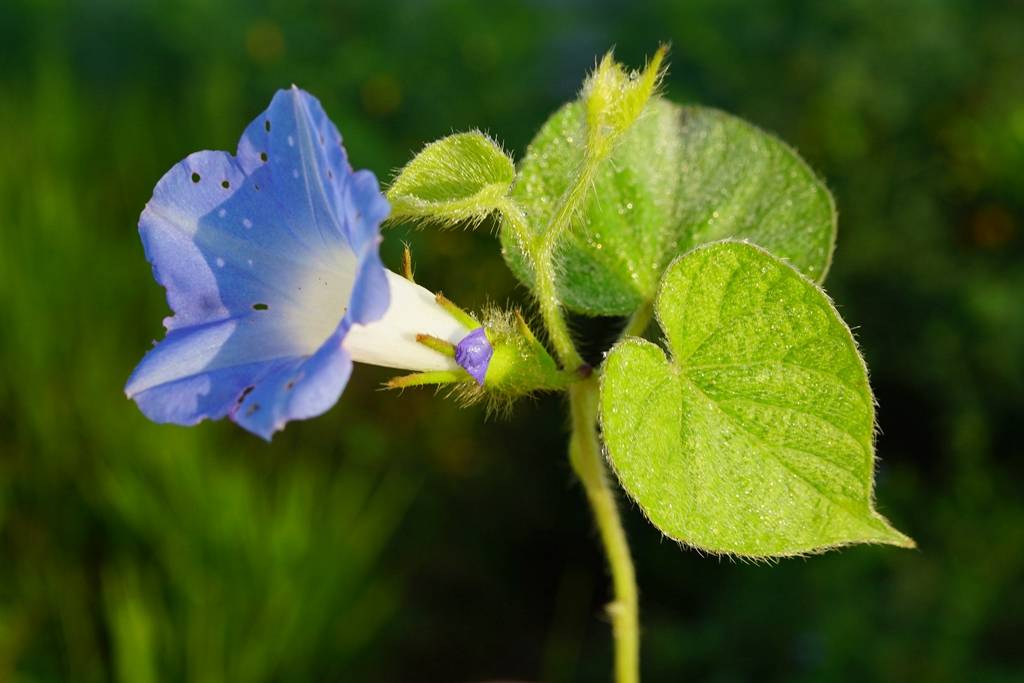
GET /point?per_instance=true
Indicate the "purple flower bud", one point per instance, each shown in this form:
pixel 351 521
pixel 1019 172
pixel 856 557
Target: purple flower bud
pixel 474 354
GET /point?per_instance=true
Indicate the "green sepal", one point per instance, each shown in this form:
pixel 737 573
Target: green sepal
pixel 754 435
pixel 458 179
pixel 520 364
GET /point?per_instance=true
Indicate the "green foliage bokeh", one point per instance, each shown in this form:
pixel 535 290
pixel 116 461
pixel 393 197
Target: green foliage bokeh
pixel 400 538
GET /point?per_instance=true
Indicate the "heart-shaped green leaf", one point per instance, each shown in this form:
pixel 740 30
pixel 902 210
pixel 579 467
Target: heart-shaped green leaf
pixel 739 182
pixel 679 177
pixel 755 436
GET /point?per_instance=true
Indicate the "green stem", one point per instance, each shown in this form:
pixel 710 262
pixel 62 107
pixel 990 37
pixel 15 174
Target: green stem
pixel 639 321
pixel 541 250
pixel 588 463
pixel 554 320
pixel 540 254
pixel 584 446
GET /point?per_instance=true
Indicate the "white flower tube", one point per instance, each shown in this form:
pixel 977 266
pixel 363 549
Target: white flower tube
pixel 391 340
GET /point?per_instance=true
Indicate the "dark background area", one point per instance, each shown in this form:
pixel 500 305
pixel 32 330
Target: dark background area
pixel 400 538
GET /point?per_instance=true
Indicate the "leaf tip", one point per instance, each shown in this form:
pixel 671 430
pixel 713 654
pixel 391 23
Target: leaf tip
pixel 893 536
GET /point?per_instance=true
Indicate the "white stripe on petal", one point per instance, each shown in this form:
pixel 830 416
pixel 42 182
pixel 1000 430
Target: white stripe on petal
pixel 391 341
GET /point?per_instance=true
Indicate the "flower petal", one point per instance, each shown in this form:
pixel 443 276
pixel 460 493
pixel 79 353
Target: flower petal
pixel 296 391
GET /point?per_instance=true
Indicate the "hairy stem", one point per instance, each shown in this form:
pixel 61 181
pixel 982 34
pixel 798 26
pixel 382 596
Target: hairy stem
pixel 541 249
pixel 554 320
pixel 584 446
pixel 588 463
pixel 639 321
pixel 541 252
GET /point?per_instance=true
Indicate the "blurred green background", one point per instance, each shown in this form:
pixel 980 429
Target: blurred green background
pixel 404 539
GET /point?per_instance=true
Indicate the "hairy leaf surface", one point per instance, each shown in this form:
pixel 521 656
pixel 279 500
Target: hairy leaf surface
pixel 611 260
pixel 738 181
pixel 754 436
pixel 462 177
pixel 680 177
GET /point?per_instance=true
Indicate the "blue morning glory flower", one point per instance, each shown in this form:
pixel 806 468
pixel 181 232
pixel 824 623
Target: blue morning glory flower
pixel 271 265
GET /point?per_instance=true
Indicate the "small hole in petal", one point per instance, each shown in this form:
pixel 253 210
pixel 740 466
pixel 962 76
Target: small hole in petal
pixel 266 125
pixel 225 184
pixel 252 409
pixel 245 392
pixel 330 174
pixel 290 385
pixel 263 157
pixel 260 307
pixel 256 187
pixel 196 178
